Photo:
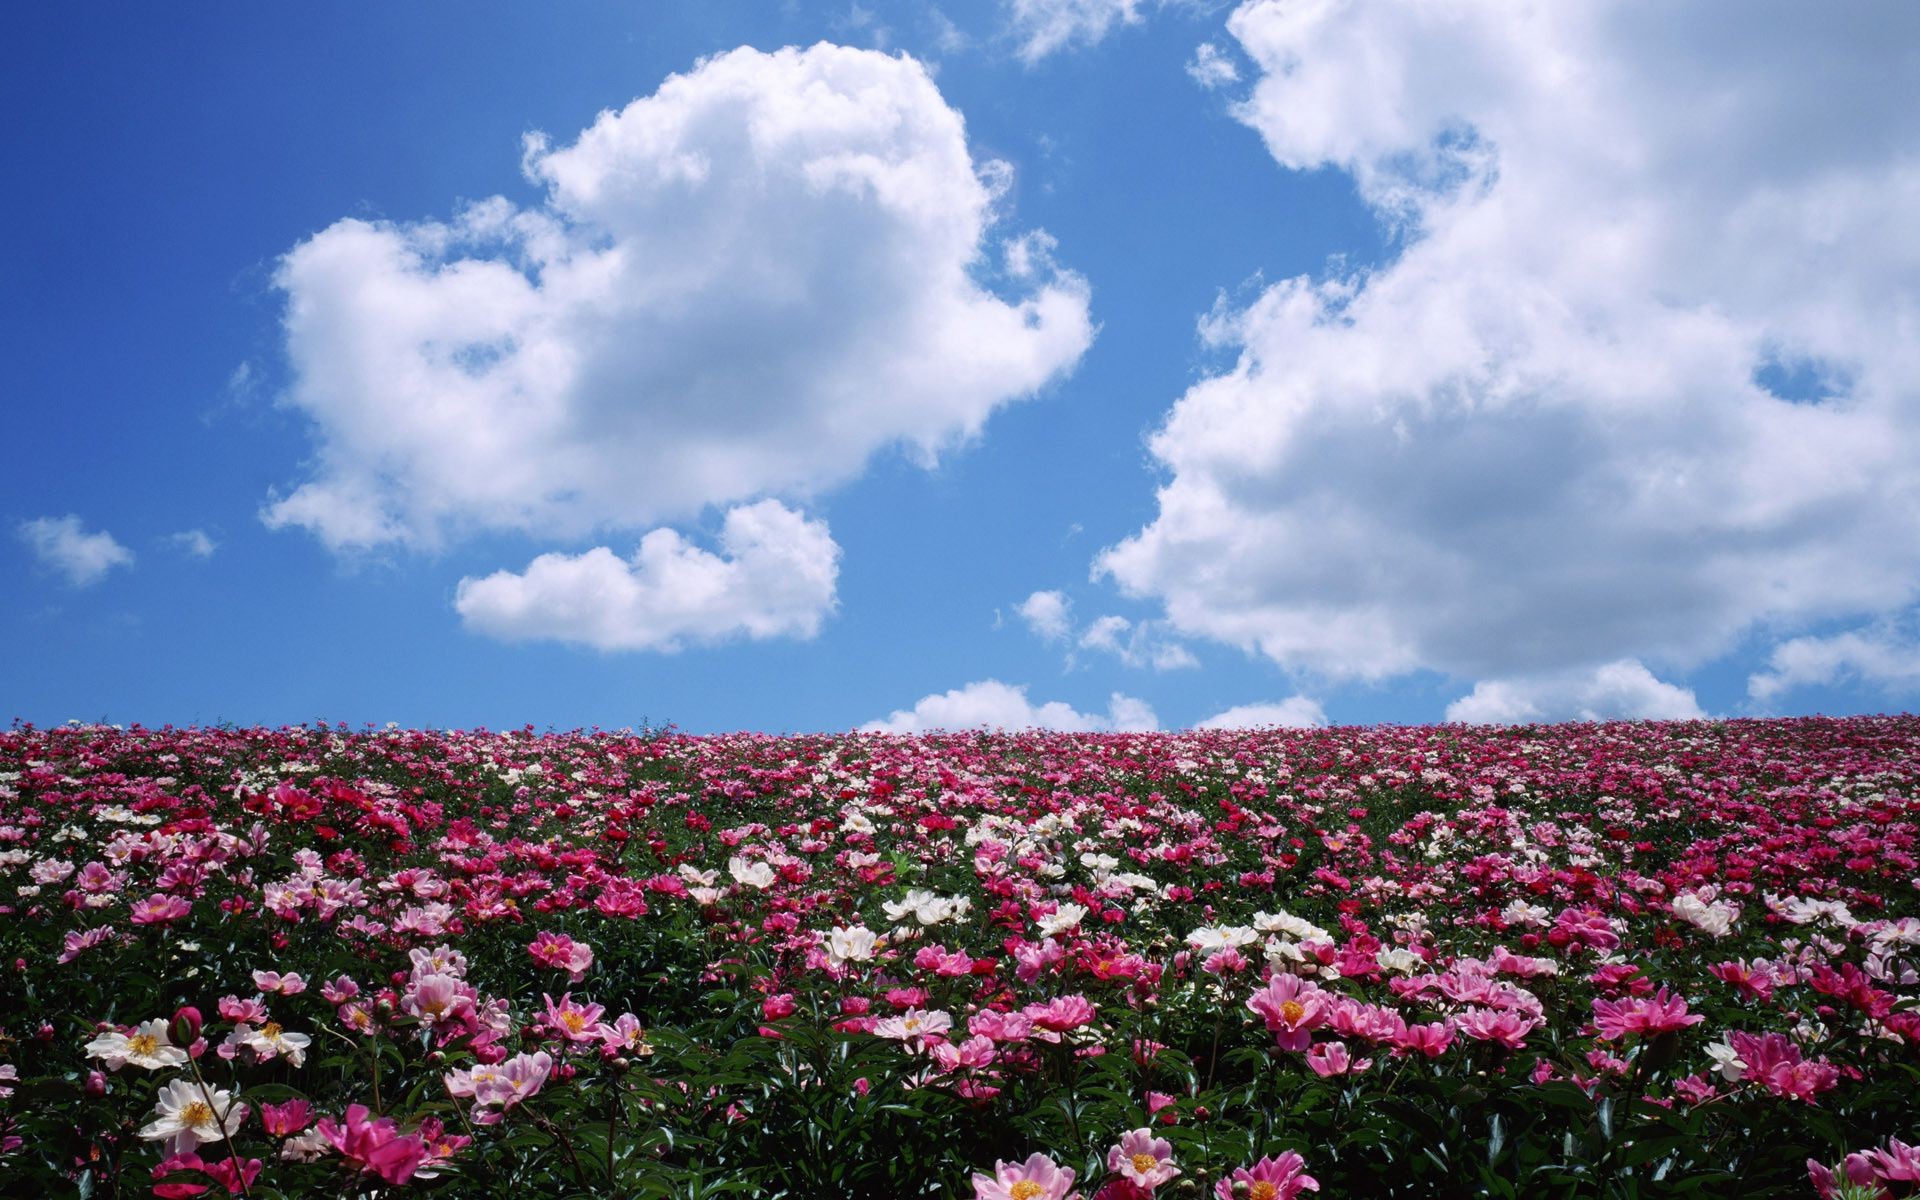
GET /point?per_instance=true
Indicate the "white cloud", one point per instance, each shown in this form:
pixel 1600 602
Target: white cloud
pixel 1211 68
pixel 1623 690
pixel 1044 26
pixel 194 542
pixel 1879 656
pixel 1534 442
pixel 745 284
pixel 1047 614
pixel 1137 644
pixel 774 577
pixel 990 704
pixel 63 545
pixel 1295 712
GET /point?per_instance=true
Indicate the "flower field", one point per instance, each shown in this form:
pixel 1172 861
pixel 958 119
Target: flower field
pixel 1648 959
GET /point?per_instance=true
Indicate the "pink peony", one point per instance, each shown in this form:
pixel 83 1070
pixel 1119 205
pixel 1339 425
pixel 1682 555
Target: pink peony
pixel 1142 1159
pixel 1039 1178
pixel 1292 1009
pixel 376 1147
pixel 1658 1013
pixel 1269 1179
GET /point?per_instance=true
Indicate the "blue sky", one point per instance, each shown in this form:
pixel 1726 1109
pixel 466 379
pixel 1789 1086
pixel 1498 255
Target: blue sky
pixel 1093 364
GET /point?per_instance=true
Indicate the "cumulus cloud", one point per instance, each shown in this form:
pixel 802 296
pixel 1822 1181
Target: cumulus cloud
pixel 1137 643
pixel 194 542
pixel 774 577
pixel 745 284
pixel 1623 690
pixel 990 704
pixel 1047 614
pixel 1550 434
pixel 1881 657
pixel 1045 26
pixel 1295 712
pixel 1211 68
pixel 63 545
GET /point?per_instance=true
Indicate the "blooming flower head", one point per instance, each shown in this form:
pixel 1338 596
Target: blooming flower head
pixel 1509 1029
pixel 1658 1013
pixel 1280 1178
pixel 1142 1159
pixel 146 1046
pixel 285 1120
pixel 186 1114
pixel 273 981
pixel 1333 1058
pixel 1292 1009
pixel 1039 1178
pixel 270 1041
pixel 562 953
pixel 159 910
pixel 377 1147
pixel 575 1022
pixel 916 1025
pixel 1059 1015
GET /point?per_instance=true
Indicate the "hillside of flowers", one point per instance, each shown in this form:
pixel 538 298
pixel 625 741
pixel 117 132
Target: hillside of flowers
pixel 1621 960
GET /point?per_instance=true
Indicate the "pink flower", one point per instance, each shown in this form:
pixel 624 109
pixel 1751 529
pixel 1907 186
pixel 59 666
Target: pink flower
pixel 1332 1058
pixel 1658 1013
pixel 1292 1009
pixel 1269 1179
pixel 1897 1161
pixel 561 952
pixel 284 1120
pixel 159 910
pixel 75 943
pixel 1775 1063
pixel 971 1054
pixel 1431 1039
pixel 1142 1159
pixel 1039 1178
pixel 574 1022
pixel 376 1147
pixel 1857 1168
pixel 1058 1016
pixel 273 981
pixel 220 1170
pixel 1509 1029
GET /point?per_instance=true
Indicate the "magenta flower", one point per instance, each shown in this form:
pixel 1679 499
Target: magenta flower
pixel 1142 1159
pixel 1039 1178
pixel 159 910
pixel 376 1147
pixel 1332 1058
pixel 1292 1009
pixel 562 953
pixel 284 1120
pixel 575 1022
pixel 1509 1029
pixel 1059 1015
pixel 1269 1179
pixel 1658 1013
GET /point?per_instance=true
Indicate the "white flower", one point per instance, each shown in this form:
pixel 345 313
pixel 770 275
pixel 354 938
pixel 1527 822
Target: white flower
pixel 753 874
pixel 1716 918
pixel 187 1115
pixel 147 1046
pixel 1208 939
pixel 858 944
pixel 926 907
pixel 1066 917
pixel 271 1041
pixel 1726 1061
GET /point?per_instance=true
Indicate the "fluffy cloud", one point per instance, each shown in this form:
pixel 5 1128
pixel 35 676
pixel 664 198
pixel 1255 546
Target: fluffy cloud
pixel 63 545
pixel 1044 26
pixel 1295 712
pixel 1047 614
pixel 745 284
pixel 1137 643
pixel 1880 657
pixel 990 704
pixel 1623 690
pixel 194 542
pixel 1211 68
pixel 1561 428
pixel 774 577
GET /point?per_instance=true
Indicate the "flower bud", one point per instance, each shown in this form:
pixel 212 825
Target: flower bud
pixel 186 1025
pixel 96 1085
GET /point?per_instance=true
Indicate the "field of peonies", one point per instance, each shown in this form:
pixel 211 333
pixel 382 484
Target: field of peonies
pixel 1622 960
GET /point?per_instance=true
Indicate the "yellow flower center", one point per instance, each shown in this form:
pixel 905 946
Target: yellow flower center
pixel 1263 1191
pixel 143 1043
pixel 1143 1163
pixel 1292 1010
pixel 271 1030
pixel 913 1024
pixel 196 1113
pixel 573 1021
pixel 1026 1189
